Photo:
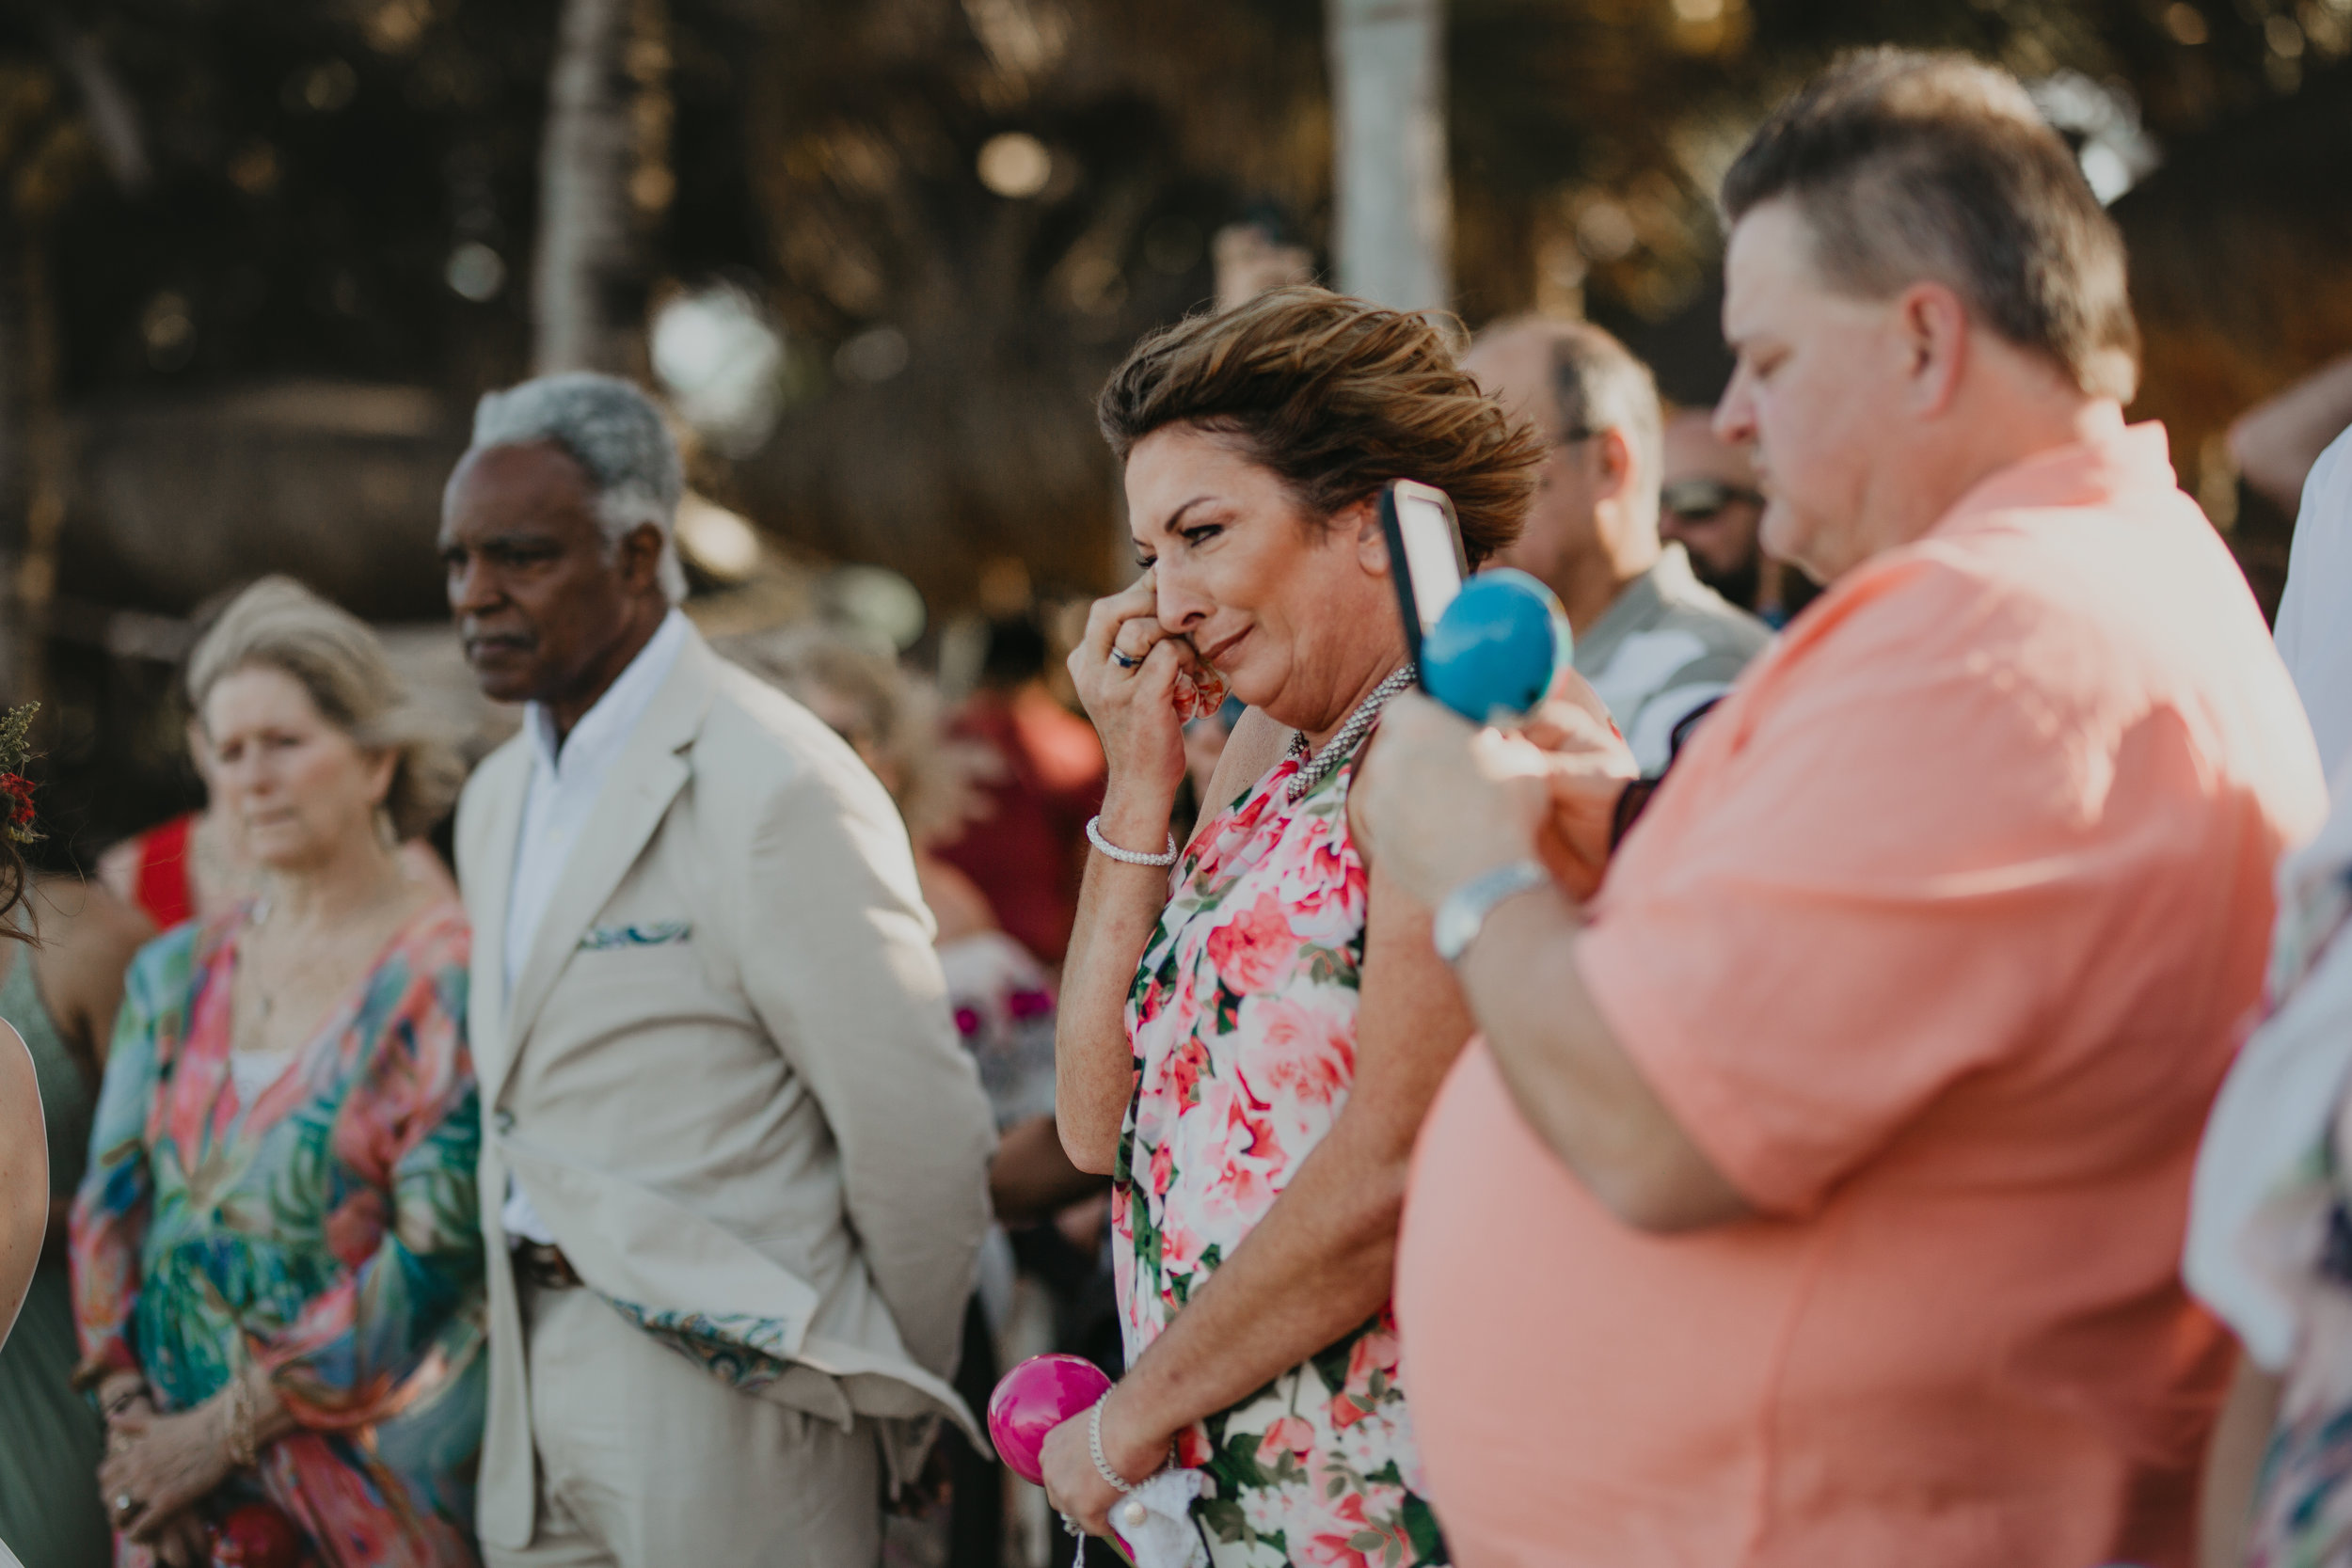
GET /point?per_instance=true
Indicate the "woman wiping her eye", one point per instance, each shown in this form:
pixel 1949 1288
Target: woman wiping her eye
pixel 1250 1035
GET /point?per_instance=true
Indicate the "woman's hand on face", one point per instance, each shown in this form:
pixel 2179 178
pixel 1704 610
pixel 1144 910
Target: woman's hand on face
pixel 1134 705
pixel 165 1465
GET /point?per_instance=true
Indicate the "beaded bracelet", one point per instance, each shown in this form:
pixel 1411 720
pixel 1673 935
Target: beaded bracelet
pixel 1131 857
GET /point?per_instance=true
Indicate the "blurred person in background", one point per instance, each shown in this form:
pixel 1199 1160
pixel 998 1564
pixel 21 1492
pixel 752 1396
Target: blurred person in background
pixel 1656 643
pixel 196 866
pixel 1025 847
pixel 1248 1040
pixel 61 991
pixel 277 1252
pixel 1708 503
pixel 725 1304
pixel 1758 1228
pixel 1001 996
pixel 2270 1232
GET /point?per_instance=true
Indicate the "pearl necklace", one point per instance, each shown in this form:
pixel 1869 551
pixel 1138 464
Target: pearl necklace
pixel 1343 745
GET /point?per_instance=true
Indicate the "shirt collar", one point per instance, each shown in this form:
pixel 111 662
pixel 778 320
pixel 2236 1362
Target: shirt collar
pixel 605 728
pixel 2110 459
pixel 1637 602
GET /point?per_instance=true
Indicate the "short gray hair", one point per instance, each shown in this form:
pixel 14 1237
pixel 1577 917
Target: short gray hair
pixel 615 434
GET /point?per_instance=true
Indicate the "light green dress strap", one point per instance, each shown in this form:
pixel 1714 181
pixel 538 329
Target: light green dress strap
pixel 50 1437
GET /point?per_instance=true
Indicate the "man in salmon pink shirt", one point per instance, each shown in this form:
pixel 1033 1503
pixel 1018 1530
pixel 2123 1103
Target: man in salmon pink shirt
pixel 1814 1196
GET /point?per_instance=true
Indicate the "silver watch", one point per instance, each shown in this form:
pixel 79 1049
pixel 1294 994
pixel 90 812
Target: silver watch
pixel 1465 909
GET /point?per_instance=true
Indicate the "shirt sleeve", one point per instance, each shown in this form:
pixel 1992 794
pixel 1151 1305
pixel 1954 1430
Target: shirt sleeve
pixel 848 985
pixel 346 1359
pixel 1826 916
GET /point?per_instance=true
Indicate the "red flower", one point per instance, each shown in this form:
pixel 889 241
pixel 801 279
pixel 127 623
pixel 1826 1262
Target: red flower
pixel 1251 950
pixel 16 794
pixel 1288 1434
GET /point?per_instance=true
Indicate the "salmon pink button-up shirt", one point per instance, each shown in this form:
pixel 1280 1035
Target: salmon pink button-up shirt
pixel 1936 942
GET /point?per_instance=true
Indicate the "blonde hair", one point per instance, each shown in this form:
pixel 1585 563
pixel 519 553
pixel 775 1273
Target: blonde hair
pixel 899 723
pixel 279 624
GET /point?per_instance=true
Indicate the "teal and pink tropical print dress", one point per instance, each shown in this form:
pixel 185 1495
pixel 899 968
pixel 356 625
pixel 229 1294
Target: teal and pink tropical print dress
pixel 328 1232
pixel 1243 1023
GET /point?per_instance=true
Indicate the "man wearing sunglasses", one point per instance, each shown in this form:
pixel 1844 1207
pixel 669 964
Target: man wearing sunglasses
pixel 1708 503
pixel 1656 642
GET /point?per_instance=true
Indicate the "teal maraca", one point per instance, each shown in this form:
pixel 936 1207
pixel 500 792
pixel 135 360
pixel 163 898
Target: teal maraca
pixel 1496 651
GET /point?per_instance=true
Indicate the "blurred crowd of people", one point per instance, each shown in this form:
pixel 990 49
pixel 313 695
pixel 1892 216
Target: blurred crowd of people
pixel 1789 1100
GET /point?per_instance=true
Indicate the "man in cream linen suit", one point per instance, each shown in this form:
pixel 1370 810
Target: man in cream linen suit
pixel 734 1161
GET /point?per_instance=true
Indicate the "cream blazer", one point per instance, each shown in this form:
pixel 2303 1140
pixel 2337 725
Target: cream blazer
pixel 727 1076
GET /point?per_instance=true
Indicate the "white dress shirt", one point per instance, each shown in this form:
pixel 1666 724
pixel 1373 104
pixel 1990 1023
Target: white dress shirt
pixel 564 784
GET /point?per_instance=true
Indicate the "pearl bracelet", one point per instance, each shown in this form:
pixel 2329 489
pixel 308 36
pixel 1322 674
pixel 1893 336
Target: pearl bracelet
pixel 1094 1448
pixel 1130 856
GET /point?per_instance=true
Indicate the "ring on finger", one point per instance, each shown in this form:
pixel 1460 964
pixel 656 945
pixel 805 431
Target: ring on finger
pixel 1125 661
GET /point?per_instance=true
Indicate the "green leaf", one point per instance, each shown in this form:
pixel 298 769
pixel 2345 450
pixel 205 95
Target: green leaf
pixel 1420 1528
pixel 1224 1518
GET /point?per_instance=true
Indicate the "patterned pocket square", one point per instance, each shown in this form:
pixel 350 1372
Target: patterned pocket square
pixel 604 939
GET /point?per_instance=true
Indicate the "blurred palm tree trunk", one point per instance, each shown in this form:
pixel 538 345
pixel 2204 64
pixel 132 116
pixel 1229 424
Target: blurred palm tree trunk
pixel 602 173
pixel 1395 218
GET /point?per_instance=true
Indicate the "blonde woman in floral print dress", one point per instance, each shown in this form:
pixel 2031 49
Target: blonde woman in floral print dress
pixel 1251 1035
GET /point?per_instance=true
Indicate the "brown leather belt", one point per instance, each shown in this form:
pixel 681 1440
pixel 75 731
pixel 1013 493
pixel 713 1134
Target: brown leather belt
pixel 537 1263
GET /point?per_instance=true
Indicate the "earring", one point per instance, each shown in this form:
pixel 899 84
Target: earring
pixel 386 834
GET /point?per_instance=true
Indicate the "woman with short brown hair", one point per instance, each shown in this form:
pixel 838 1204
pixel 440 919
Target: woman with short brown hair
pixel 1249 1044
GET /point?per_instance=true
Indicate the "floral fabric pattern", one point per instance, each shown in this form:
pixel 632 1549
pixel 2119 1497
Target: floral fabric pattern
pixel 328 1232
pixel 1241 1019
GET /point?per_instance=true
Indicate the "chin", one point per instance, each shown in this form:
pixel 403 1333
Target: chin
pixel 503 683
pixel 1784 535
pixel 1248 684
pixel 282 848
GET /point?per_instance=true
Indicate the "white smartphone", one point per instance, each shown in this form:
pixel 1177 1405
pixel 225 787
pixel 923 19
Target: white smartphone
pixel 1424 554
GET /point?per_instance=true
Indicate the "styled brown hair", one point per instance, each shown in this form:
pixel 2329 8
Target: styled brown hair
pixel 1337 397
pixel 1910 165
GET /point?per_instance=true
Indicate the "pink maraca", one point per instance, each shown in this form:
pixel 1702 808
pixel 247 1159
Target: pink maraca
pixel 1035 1397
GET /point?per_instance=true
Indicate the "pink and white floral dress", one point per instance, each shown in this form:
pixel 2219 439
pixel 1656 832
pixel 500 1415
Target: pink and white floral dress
pixel 1241 1019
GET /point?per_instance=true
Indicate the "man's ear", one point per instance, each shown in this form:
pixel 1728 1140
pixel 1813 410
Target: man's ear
pixel 1932 321
pixel 640 557
pixel 1612 451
